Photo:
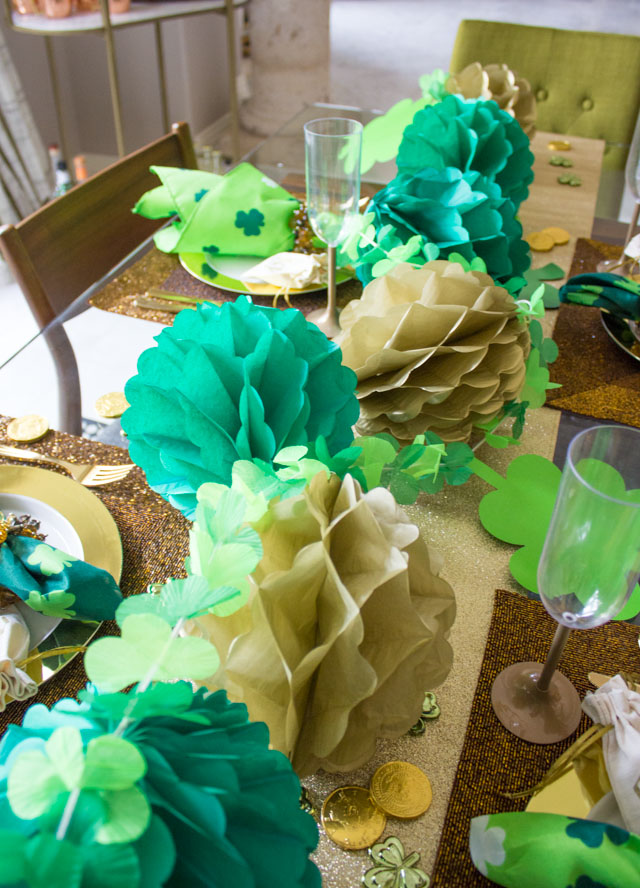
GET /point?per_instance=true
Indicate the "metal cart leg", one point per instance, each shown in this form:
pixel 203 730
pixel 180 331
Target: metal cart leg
pixel 113 76
pixel 233 81
pixel 55 87
pixel 162 76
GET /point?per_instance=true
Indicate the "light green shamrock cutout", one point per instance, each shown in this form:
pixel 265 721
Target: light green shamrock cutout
pixel 177 600
pixel 148 651
pixel 392 869
pixel 110 767
pixel 50 560
pixel 519 511
pixel 56 603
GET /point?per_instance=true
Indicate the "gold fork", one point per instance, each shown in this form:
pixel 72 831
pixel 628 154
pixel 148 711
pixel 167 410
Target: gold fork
pixel 86 473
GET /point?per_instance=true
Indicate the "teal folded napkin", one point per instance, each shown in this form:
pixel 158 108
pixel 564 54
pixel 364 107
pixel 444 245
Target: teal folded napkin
pixel 57 584
pixel 615 293
pixel 243 213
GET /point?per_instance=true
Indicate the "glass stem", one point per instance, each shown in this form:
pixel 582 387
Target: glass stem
pixel 553 657
pixel 632 225
pixel 331 282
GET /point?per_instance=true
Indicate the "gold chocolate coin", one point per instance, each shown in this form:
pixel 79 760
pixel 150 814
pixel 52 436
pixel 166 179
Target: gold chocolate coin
pixel 559 235
pixel 28 428
pixel 540 242
pixel 351 819
pixel 401 789
pixel 559 145
pixel 111 405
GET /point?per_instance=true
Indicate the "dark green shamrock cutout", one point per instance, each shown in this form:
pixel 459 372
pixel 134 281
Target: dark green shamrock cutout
pixel 251 222
pixel 200 194
pixel 209 272
pixel 211 249
pixel 592 833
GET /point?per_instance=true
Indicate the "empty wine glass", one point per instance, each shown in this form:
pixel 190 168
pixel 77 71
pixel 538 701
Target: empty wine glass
pixel 332 164
pixel 632 179
pixel 589 566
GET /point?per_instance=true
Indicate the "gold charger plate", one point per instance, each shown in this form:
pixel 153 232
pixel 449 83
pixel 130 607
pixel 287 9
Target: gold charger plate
pixel 100 540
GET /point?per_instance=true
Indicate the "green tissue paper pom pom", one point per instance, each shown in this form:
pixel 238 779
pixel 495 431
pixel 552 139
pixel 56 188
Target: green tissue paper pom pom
pixel 232 382
pixel 470 135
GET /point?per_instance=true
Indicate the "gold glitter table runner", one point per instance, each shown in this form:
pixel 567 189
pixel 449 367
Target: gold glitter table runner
pixel 154 543
pixel 598 379
pixel 492 759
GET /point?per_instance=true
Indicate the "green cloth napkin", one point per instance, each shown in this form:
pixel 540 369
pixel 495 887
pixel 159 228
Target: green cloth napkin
pixel 243 213
pixel 57 584
pixel 617 294
pixel 515 849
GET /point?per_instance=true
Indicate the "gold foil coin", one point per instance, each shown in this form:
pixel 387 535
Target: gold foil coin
pixel 559 145
pixel 401 789
pixel 540 242
pixel 351 819
pixel 28 428
pixel 559 235
pixel 111 405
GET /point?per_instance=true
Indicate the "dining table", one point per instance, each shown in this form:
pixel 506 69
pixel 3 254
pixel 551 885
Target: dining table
pixel 469 758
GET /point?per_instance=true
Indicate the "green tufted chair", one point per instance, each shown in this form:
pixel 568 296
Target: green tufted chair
pixel 585 83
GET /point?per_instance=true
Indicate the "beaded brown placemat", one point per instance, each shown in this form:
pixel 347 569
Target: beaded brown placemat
pixel 598 379
pixel 492 759
pixel 154 544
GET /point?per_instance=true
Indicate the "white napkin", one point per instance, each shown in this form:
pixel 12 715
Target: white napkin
pixel 615 704
pixel 14 645
pixel 290 271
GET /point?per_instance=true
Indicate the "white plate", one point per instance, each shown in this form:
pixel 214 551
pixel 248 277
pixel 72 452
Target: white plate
pixel 60 534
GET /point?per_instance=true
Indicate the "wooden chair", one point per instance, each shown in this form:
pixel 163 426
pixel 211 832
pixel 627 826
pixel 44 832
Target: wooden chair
pixel 68 245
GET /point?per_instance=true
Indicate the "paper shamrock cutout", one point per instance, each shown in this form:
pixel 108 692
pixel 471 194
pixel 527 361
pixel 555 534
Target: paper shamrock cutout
pixel 111 766
pixel 146 649
pixel 519 511
pixel 393 868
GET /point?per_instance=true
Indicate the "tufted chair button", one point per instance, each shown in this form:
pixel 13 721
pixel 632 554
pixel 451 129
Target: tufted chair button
pixel 587 104
pixel 542 95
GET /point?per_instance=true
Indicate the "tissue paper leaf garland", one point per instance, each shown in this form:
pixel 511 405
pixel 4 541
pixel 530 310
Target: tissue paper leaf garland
pixel 469 135
pixel 345 628
pixel 211 804
pixel 233 382
pixel 519 510
pixel 507 849
pixel 462 212
pixel 434 348
pixel 159 786
pixel 241 213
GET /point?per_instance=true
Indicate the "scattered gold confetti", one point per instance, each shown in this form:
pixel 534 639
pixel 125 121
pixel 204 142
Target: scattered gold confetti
pixel 28 428
pixel 111 405
pixel 540 241
pixel 401 789
pixel 559 235
pixel 559 145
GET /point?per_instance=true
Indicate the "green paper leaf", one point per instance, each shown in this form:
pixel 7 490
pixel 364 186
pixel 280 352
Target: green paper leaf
pixel 50 863
pixel 33 785
pixel 145 650
pixel 12 847
pixel 112 763
pixel 110 866
pixel 65 752
pixel 549 272
pixel 551 298
pixel 177 600
pixel 158 699
pixel 128 816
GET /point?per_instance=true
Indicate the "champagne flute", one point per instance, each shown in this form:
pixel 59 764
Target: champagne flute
pixel 332 164
pixel 589 566
pixel 632 179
